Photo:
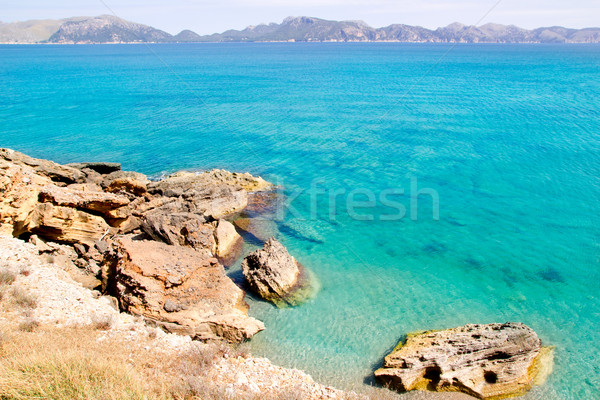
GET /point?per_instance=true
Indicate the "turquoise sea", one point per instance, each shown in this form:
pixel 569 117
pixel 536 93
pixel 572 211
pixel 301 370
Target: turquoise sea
pixel 507 137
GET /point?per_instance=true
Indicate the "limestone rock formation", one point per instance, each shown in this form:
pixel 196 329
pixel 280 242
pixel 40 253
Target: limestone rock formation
pixel 200 195
pixel 275 275
pixel 125 181
pixel 101 202
pixel 182 290
pixel 87 205
pixel 54 171
pixel 486 361
pixel 66 224
pixel 227 238
pixel 20 186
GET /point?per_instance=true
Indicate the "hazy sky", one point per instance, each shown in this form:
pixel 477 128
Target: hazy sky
pixel 209 16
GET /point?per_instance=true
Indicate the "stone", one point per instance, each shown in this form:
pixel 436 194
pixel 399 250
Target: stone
pixel 276 276
pixel 65 224
pixel 182 290
pixel 52 170
pixel 126 181
pixel 228 242
pixel 180 229
pixel 183 181
pixel 484 361
pixel 100 202
pixel 102 168
pixel 20 186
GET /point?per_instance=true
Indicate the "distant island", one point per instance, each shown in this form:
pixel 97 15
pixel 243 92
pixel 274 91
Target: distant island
pixel 110 29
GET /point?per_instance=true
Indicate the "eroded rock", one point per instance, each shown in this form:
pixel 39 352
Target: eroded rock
pixel 20 186
pixel 52 170
pixel 485 361
pixel 101 202
pixel 276 276
pixel 65 224
pixel 180 289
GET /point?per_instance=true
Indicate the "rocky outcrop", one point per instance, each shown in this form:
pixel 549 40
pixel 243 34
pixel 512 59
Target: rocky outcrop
pixel 276 276
pixel 486 361
pixel 180 289
pixel 56 172
pixel 20 186
pixel 97 201
pixel 66 224
pixel 90 206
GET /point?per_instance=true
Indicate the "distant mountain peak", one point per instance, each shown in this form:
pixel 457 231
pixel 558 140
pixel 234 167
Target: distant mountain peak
pixel 111 29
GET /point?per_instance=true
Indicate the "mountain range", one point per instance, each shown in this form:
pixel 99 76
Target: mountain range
pixel 110 29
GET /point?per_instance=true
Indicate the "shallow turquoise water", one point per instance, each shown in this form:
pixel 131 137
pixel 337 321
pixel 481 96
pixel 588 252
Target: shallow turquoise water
pixel 507 136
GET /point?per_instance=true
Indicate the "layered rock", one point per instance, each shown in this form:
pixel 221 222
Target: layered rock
pixel 66 224
pixel 486 361
pixel 20 186
pixel 56 172
pixel 228 241
pixel 180 289
pixel 87 205
pixel 97 201
pixel 276 276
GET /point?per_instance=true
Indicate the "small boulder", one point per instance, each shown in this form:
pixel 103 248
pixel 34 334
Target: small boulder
pixel 484 361
pixel 227 238
pixel 276 276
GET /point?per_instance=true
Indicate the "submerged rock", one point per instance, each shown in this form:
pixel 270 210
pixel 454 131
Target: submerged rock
pixel 180 289
pixel 276 276
pixel 485 361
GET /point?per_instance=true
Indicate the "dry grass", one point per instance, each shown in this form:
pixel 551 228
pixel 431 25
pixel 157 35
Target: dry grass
pixel 29 325
pixel 85 364
pixel 7 277
pixel 102 323
pixel 72 364
pixel 23 299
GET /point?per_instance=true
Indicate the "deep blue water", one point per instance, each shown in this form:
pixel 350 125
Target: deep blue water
pixel 506 136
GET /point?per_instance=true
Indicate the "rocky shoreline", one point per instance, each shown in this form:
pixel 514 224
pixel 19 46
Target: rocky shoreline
pixel 111 247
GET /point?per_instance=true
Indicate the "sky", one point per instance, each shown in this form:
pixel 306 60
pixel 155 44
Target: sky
pixel 210 16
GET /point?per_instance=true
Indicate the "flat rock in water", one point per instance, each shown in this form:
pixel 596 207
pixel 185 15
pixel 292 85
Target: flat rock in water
pixel 486 361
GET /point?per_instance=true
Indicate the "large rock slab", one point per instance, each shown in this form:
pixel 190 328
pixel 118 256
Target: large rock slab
pixel 179 229
pixel 20 186
pixel 126 182
pixel 215 193
pixel 101 202
pixel 54 171
pixel 183 181
pixel 180 289
pixel 486 361
pixel 65 224
pixel 276 276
